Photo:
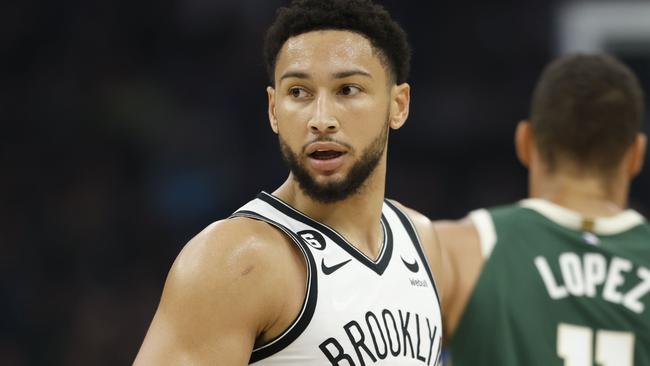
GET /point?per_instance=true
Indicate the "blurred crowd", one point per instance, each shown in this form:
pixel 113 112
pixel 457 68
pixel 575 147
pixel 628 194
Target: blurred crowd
pixel 128 126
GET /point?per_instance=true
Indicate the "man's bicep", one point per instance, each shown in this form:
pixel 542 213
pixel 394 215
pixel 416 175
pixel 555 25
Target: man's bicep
pixel 172 341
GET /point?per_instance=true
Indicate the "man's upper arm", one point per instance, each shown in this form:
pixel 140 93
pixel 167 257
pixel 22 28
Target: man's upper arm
pixel 462 263
pixel 216 300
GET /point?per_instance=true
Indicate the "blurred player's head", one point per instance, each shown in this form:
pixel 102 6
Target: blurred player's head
pixel 338 70
pixel 586 116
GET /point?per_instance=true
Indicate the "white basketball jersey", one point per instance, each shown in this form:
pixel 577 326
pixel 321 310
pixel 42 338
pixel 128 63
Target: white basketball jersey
pixel 356 311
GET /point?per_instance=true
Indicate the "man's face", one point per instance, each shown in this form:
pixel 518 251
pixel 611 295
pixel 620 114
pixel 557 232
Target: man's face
pixel 331 107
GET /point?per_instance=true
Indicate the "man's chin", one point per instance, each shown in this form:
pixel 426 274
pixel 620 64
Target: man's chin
pixel 325 189
pixel 328 178
pixel 327 193
pixel 324 183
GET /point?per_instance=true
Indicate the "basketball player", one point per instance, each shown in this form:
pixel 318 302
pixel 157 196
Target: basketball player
pixel 324 270
pixel 561 278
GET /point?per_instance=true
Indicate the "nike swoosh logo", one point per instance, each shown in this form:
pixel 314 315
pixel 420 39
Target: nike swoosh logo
pixel 329 270
pixel 413 267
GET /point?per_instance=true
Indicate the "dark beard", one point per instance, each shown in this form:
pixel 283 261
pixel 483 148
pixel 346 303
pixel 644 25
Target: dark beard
pixel 339 190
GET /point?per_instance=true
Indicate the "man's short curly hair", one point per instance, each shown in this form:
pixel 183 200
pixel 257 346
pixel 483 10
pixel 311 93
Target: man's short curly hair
pixel 359 16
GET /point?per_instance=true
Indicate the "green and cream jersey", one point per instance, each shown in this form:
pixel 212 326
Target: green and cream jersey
pixel 557 289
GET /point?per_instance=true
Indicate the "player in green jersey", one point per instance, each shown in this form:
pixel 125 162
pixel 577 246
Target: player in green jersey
pixel 561 278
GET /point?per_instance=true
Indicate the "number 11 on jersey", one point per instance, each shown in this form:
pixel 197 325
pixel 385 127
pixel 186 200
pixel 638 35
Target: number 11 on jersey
pixel 575 345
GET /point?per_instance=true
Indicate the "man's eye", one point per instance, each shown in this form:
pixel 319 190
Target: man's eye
pixel 298 92
pixel 349 90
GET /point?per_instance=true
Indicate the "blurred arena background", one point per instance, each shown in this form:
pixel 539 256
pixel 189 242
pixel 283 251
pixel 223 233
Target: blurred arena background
pixel 128 126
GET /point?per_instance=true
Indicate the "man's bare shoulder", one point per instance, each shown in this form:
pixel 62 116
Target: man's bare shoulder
pixel 225 290
pixel 233 247
pixel 228 250
pixel 460 242
pixel 242 256
pixel 452 232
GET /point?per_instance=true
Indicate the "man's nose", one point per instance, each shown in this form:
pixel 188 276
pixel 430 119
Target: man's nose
pixel 323 120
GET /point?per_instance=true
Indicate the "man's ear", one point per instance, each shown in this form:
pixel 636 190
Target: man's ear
pixel 270 92
pixel 524 142
pixel 637 155
pixel 399 106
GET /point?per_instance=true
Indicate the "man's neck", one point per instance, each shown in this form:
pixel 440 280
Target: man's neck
pixel 356 217
pixel 590 196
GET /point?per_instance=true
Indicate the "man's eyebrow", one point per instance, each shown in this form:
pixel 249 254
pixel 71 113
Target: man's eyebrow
pixel 337 75
pixel 348 73
pixel 295 74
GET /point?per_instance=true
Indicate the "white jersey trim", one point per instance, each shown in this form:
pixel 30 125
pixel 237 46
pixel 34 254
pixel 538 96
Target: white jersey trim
pixel 487 233
pixel 378 265
pixel 341 237
pixel 411 229
pixel 573 220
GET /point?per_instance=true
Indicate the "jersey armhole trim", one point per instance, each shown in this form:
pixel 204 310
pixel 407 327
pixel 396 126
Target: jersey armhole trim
pixel 412 232
pixel 303 319
pixel 417 243
pixel 484 225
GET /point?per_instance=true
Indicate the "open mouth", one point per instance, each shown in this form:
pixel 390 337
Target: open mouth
pixel 325 154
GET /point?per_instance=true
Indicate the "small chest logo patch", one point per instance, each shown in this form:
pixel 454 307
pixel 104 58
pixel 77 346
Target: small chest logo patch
pixel 328 270
pixel 413 267
pixel 313 238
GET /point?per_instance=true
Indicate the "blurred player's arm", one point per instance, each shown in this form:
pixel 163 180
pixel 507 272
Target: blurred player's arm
pixel 219 297
pixel 461 267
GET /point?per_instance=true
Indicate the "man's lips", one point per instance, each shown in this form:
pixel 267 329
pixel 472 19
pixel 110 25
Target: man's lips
pixel 325 156
pixel 326 165
pixel 319 147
